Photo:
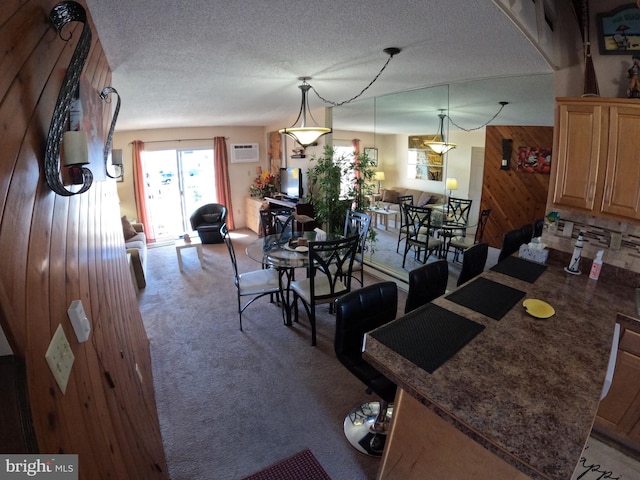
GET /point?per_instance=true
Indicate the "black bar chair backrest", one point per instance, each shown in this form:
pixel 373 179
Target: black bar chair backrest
pixel 426 283
pixel 474 260
pixel 359 312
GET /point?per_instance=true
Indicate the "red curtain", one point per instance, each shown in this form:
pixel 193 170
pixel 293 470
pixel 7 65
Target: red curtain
pixel 139 191
pixel 223 185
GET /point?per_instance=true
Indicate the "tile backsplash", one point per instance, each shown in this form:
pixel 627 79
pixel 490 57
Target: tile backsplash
pixel 598 234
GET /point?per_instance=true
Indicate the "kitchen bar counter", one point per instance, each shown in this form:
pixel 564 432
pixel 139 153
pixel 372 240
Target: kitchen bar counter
pixel 526 390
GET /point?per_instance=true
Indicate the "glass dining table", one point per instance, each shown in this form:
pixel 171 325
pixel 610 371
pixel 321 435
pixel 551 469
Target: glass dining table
pixel 280 251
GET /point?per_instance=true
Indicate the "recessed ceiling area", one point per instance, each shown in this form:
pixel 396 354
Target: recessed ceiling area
pixel 205 63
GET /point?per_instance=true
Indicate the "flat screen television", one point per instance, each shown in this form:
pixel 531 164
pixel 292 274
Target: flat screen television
pixel 291 182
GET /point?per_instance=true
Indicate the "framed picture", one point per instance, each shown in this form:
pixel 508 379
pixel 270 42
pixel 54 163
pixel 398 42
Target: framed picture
pixel 619 30
pixel 534 159
pixel 372 153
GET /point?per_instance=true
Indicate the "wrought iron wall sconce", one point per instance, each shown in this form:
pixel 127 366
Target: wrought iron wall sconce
pixel 506 154
pixel 116 160
pixel 75 143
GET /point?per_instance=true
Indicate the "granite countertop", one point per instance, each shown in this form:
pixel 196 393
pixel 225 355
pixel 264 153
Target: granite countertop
pixel 526 389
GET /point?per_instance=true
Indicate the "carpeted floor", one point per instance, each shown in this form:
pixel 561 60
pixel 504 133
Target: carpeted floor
pixel 232 403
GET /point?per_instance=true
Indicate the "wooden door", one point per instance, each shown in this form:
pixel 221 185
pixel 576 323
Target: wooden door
pixel 622 180
pixel 577 153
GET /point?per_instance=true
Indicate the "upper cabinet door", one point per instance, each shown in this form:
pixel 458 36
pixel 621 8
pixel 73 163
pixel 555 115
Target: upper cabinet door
pixel 577 153
pixel 622 179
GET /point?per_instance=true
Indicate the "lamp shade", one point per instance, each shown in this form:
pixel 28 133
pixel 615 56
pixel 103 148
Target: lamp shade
pixel 379 176
pixel 76 150
pixel 452 184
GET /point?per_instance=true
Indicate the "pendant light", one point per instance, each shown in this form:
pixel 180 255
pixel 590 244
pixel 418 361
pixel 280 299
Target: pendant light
pixel 440 147
pixel 304 135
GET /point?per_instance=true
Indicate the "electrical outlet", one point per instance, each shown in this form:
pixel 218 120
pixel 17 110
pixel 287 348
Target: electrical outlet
pixel 616 241
pixel 60 358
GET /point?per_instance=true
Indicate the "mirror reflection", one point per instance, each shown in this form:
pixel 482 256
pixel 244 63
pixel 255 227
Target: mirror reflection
pixel 388 123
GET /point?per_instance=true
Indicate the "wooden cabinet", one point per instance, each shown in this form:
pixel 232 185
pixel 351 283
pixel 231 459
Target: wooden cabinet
pixel 252 213
pixel 619 412
pixel 596 156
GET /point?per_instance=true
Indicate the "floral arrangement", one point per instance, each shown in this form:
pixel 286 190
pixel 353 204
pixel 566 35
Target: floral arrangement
pixel 264 185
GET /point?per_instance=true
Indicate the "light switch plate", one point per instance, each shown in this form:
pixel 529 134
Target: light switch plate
pixel 60 358
pixel 79 320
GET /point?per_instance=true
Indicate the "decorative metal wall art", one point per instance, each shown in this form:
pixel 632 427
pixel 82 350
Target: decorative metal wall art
pixel 104 95
pixel 62 14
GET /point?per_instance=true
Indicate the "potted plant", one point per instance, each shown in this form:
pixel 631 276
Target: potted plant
pixel 324 182
pixel 327 194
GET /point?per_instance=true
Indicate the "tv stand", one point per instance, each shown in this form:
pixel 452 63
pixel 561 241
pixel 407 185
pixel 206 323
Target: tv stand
pixel 283 202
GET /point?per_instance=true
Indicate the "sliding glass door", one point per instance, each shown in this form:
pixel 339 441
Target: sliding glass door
pixel 177 182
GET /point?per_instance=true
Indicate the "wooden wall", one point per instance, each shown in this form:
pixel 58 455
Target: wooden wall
pixel 55 249
pixel 514 197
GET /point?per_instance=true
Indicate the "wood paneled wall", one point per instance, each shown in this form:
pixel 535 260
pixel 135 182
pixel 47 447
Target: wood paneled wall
pixel 514 197
pixel 56 249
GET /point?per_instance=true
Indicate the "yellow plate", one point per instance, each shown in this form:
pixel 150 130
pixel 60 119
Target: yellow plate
pixel 538 308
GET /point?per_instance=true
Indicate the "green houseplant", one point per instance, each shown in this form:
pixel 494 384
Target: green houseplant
pixel 330 197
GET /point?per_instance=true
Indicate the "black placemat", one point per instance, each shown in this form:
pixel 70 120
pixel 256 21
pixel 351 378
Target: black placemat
pixel 519 268
pixel 428 336
pixel 487 297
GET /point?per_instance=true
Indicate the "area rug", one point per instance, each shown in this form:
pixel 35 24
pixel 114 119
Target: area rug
pixel 302 465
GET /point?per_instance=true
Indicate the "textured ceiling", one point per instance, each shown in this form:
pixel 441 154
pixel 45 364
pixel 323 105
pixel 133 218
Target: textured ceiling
pixel 237 62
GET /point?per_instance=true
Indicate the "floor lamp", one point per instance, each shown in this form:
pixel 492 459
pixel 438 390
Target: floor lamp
pixel 379 176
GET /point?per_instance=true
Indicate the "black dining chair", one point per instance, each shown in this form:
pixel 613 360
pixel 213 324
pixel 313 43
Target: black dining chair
pixel 359 312
pixel 403 227
pixel 330 270
pixel 460 244
pixel 276 220
pixel 474 260
pixel 357 223
pixel 420 233
pixel 426 283
pixel 254 284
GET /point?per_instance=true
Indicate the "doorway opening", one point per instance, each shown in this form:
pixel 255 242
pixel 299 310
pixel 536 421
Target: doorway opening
pixel 177 182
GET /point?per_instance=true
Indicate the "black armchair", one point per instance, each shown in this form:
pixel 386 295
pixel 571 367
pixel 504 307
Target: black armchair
pixel 207 221
pixel 357 313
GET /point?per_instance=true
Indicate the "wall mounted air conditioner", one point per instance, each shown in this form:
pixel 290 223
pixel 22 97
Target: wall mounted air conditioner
pixel 245 153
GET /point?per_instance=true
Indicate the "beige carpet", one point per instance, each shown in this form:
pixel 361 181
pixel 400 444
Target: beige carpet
pixel 231 403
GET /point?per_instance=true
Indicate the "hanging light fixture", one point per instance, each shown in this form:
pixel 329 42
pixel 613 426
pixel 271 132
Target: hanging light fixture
pixel 440 147
pixel 305 135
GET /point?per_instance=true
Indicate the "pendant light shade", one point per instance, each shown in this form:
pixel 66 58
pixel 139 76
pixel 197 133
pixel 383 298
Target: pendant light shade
pixel 304 135
pixel 441 147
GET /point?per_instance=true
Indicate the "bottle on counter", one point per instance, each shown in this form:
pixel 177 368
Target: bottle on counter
pixel 596 266
pixel 574 264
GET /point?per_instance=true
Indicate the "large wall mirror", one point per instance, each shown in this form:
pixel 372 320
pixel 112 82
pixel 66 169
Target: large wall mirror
pixel 387 123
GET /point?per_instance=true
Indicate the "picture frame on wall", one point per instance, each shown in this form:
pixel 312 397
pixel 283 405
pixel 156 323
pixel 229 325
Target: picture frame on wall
pixel 372 154
pixel 619 30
